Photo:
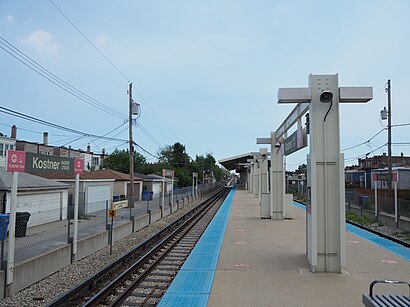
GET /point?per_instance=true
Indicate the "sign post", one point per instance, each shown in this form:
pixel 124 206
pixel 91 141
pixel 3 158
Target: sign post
pixel 21 161
pixel 78 169
pixel 169 173
pixel 16 162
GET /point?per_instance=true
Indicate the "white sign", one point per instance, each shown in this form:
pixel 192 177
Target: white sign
pixel 119 204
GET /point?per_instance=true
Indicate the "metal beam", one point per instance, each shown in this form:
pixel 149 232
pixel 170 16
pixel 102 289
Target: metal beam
pixel 299 110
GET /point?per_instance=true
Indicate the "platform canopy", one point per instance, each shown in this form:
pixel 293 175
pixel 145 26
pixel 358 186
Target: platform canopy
pixel 238 163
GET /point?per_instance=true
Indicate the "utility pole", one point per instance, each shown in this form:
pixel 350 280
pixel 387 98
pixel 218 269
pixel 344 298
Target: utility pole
pixel 131 191
pixel 389 159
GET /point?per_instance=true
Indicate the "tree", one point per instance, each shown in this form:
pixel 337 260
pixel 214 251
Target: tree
pixel 119 160
pixel 174 155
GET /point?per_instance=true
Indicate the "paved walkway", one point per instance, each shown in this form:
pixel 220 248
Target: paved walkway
pixel 262 263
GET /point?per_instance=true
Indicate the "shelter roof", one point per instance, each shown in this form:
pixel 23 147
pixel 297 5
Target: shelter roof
pixel 237 163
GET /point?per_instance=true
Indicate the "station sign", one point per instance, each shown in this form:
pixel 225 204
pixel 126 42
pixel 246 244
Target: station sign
pixel 295 141
pixel 195 175
pixel 167 173
pixel 385 177
pixel 21 161
pixel 16 161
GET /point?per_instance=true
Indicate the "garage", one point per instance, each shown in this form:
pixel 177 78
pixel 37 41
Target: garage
pixel 44 207
pixel 97 197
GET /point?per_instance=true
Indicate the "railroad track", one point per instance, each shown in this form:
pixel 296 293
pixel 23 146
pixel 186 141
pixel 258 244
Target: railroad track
pixel 141 277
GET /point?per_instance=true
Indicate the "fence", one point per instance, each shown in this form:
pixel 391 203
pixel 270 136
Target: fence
pixel 50 228
pixel 364 204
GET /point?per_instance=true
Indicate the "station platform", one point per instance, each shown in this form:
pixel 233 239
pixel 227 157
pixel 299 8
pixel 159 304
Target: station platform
pixel 261 262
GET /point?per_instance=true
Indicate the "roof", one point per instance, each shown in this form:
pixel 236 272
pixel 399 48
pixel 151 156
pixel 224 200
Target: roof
pixel 237 163
pixel 108 174
pixel 28 182
pixel 153 177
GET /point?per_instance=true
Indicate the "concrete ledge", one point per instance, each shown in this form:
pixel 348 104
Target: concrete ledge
pixel 141 222
pixel 122 230
pixel 174 207
pixel 155 215
pixel 166 211
pixel 35 269
pixel 2 281
pixel 91 244
pixel 385 218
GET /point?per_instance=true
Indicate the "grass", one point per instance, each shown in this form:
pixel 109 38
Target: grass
pixel 402 234
pixel 362 220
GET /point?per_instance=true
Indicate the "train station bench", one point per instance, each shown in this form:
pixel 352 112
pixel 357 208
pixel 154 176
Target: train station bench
pixel 372 300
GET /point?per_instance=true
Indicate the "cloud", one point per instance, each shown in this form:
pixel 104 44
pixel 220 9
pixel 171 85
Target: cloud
pixel 42 41
pixel 9 19
pixel 101 39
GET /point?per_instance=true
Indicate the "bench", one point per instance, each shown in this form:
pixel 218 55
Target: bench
pixel 372 300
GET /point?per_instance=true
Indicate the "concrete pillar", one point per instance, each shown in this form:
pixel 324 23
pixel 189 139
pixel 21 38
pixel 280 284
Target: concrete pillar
pixel 277 179
pixel 256 178
pixel 263 171
pixel 325 213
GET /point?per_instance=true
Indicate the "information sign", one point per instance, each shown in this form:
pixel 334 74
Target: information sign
pixel 120 204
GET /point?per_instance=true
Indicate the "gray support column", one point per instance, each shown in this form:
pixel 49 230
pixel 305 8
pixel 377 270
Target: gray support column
pixel 256 178
pixel 277 180
pixel 325 214
pixel 263 171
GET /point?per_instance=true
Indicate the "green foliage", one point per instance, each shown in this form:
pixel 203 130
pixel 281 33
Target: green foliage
pixel 362 220
pixel 119 161
pixel 172 157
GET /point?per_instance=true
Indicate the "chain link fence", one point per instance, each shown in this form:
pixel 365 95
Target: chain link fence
pixel 50 228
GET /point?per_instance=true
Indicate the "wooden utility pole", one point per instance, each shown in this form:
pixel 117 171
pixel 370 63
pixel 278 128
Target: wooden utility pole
pixel 389 159
pixel 131 190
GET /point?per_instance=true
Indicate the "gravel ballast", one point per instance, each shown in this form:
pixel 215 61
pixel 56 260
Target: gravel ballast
pixel 53 286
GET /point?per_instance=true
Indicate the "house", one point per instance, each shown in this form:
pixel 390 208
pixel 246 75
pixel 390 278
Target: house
pixel 46 200
pixel 377 162
pixel 92 161
pixel 5 144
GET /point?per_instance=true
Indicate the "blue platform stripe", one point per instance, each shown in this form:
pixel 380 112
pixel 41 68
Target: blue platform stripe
pixel 193 283
pixel 174 300
pixel 393 247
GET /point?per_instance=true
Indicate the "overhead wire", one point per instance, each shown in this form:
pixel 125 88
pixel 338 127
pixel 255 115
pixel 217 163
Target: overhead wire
pixel 89 41
pixel 121 73
pixel 29 62
pixel 56 126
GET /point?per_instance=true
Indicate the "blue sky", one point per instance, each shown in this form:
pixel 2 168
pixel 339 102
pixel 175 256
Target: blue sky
pixel 206 73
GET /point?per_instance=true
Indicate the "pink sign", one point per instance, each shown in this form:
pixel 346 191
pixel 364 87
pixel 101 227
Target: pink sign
pixel 78 166
pixel 16 161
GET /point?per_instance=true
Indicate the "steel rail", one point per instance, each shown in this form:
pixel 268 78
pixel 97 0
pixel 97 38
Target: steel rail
pixel 180 232
pixel 98 276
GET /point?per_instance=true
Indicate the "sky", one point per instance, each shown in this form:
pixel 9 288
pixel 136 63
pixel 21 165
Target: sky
pixel 205 73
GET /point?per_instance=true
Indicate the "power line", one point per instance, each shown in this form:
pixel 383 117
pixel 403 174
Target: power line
pixel 56 126
pixel 365 154
pixel 366 142
pixel 53 78
pixel 83 35
pixel 118 70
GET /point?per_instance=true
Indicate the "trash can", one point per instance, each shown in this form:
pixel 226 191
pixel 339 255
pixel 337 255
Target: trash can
pixel 4 225
pixel 21 223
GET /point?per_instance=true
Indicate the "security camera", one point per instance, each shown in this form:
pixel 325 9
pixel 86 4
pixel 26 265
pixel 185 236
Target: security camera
pixel 277 144
pixel 326 96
